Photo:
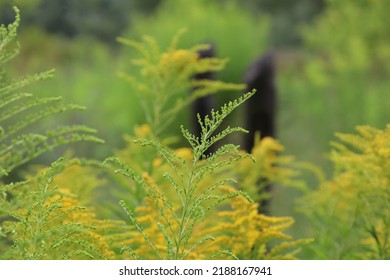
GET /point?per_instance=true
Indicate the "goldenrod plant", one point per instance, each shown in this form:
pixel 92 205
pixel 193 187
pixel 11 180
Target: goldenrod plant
pixel 37 219
pixel 350 213
pixel 165 85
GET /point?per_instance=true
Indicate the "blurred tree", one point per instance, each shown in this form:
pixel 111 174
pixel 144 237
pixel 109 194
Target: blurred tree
pixel 103 19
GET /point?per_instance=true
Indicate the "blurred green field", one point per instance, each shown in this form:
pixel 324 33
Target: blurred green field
pixel 331 77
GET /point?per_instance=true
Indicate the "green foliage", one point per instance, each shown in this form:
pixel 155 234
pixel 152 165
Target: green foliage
pixel 184 203
pixel 98 18
pixel 37 219
pixel 85 74
pixel 21 110
pixel 349 214
pixel 353 36
pixel 52 215
pixel 166 84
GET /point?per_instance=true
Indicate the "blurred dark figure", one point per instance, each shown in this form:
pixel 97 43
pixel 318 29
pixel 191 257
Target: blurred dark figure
pixel 260 111
pixel 205 104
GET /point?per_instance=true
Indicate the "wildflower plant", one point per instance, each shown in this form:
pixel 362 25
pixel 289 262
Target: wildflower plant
pixel 165 85
pixel 349 214
pixel 21 110
pixel 39 220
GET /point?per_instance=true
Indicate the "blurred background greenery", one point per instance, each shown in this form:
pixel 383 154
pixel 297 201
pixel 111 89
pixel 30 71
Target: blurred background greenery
pixel 332 62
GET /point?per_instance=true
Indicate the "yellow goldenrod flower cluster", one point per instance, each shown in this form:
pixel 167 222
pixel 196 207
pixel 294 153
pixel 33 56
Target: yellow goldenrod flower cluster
pixel 351 210
pixel 177 60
